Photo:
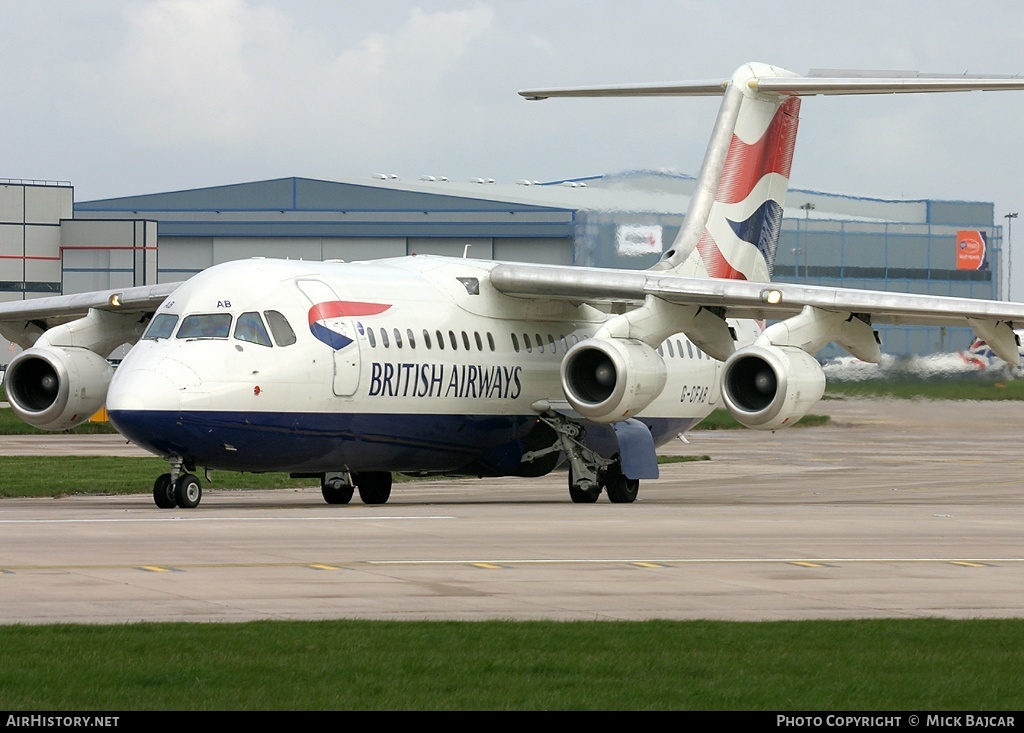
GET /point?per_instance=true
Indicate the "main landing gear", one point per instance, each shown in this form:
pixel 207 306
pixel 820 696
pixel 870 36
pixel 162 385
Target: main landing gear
pixel 177 489
pixel 338 487
pixel 589 473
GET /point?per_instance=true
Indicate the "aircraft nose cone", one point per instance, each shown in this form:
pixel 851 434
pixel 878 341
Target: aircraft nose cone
pixel 152 385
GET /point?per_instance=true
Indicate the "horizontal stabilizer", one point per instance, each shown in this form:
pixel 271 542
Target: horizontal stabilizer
pixel 784 83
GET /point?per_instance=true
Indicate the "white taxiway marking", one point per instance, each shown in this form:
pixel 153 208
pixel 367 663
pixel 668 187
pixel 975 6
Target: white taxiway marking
pixel 215 519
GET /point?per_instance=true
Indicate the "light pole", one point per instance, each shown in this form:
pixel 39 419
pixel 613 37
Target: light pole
pixel 808 207
pixel 1009 252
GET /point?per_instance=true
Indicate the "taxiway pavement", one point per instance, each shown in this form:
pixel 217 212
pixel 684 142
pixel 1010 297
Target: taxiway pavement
pixel 897 509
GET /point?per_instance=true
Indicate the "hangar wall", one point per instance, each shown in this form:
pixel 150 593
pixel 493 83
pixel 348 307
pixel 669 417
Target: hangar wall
pixel 51 244
pixel 44 251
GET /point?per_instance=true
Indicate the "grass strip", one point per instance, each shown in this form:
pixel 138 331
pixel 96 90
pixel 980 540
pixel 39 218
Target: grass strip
pixel 923 664
pixel 930 389
pixel 62 475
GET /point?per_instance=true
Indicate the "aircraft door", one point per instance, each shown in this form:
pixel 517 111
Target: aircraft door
pixel 336 331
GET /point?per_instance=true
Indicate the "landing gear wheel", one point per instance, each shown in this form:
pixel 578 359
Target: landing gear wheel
pixel 583 492
pixel 187 491
pixel 163 492
pixel 621 490
pixel 374 486
pixel 342 494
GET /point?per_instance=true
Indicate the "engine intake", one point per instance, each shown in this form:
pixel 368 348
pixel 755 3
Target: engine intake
pixel 608 380
pixel 56 388
pixel 769 387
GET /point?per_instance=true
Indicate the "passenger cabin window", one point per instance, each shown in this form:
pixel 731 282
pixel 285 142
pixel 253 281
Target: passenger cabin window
pixel 249 327
pixel 280 328
pixel 209 326
pixel 161 327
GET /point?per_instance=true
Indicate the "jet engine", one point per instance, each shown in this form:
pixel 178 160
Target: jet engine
pixel 57 387
pixel 769 387
pixel 608 380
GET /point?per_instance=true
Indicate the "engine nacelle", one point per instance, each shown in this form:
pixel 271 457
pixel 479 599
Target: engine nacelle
pixel 608 380
pixel 57 387
pixel 769 387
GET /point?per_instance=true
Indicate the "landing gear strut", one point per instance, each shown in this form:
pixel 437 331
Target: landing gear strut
pixel 589 473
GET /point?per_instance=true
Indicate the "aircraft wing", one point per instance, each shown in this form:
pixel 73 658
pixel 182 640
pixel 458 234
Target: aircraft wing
pixel 23 321
pixel 745 299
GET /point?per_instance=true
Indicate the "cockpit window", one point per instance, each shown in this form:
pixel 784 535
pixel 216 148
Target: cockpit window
pixel 279 326
pixel 249 327
pixel 161 327
pixel 210 326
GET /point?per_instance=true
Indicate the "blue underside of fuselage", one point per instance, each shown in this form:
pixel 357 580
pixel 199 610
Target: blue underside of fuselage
pixel 316 442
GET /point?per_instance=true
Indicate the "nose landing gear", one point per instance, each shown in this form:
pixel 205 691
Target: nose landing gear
pixel 177 489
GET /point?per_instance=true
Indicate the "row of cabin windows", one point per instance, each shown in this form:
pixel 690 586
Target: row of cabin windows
pixel 551 345
pixel 691 350
pixel 249 327
pixel 395 337
pixel 538 343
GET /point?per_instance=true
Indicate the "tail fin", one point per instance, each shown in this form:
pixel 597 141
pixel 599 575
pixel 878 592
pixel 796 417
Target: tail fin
pixel 734 220
pixel 733 225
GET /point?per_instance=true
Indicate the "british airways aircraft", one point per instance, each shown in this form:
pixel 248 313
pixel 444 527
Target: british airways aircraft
pixel 351 372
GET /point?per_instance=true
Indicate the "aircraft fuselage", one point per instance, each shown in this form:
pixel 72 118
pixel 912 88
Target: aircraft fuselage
pixel 410 365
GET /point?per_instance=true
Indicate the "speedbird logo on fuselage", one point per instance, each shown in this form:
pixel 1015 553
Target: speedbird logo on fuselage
pixel 339 309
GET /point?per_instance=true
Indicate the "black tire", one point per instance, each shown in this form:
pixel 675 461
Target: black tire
pixel 582 495
pixel 163 492
pixel 342 495
pixel 621 490
pixel 187 491
pixel 374 486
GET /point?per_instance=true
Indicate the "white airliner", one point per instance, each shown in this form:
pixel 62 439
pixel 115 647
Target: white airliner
pixel 353 371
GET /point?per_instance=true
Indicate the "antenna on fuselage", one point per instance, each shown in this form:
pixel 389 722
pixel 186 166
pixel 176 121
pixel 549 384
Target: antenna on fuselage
pixel 465 251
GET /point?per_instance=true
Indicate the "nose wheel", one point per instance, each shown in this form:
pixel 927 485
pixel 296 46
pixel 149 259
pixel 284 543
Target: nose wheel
pixel 177 488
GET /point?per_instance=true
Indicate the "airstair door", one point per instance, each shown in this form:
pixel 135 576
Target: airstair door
pixel 335 330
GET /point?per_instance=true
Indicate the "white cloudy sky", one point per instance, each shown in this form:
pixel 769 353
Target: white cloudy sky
pixel 134 96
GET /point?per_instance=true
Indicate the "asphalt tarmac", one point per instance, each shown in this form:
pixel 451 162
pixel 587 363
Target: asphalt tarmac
pixel 897 509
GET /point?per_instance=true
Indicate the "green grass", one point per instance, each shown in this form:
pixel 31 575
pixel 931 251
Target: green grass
pixel 62 475
pixel 682 459
pixel 11 424
pixel 926 664
pixel 930 389
pixel 720 419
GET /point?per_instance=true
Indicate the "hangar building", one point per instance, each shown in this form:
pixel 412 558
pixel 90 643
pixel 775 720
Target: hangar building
pixel 50 244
